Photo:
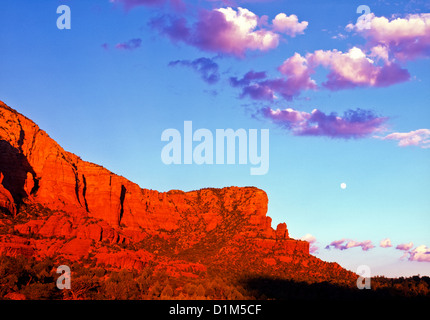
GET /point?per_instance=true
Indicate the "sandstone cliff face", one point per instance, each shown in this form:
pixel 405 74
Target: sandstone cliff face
pixel 37 169
pixel 6 200
pixel 35 166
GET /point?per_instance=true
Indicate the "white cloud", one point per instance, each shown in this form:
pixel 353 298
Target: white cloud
pixel 289 24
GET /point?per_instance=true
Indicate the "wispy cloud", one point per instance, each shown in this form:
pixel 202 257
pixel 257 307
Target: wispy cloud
pixel 207 68
pixel 132 44
pixel 420 253
pixel 344 244
pixel 419 138
pixel 353 124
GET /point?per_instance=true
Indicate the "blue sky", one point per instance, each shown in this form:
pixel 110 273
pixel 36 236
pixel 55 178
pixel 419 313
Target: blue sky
pixel 108 101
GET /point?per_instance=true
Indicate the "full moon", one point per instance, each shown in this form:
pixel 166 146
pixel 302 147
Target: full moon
pixel 343 185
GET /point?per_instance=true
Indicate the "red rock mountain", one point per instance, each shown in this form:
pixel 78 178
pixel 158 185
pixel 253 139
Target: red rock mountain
pixel 85 206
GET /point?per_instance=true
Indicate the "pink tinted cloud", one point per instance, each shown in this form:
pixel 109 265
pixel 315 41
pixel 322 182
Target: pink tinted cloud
pixel 129 45
pixel 232 32
pixel 312 240
pixel 223 30
pixel 420 254
pixel 419 138
pixel 344 244
pixel 353 124
pixel 267 89
pixel 365 245
pixel 355 69
pixel 253 84
pixel 346 70
pixel 336 244
pixel 297 78
pixel 405 38
pixel 298 73
pixel 405 246
pixel 385 243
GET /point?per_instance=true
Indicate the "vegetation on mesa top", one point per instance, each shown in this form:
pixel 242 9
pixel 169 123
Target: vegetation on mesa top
pixel 234 272
pixel 23 278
